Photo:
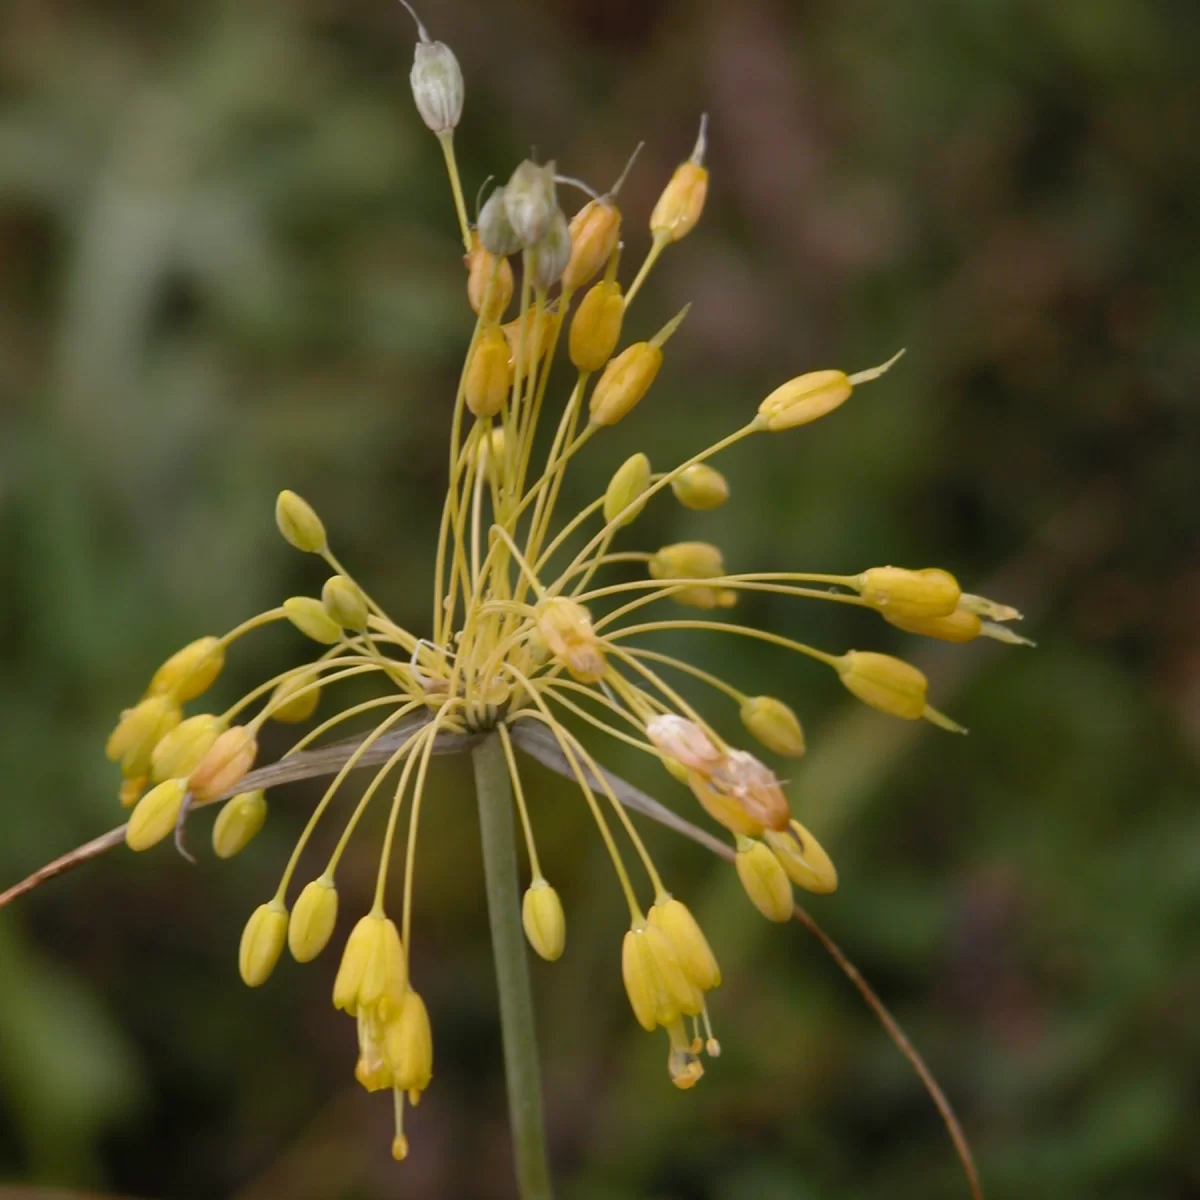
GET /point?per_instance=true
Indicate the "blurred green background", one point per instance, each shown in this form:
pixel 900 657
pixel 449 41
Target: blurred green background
pixel 228 264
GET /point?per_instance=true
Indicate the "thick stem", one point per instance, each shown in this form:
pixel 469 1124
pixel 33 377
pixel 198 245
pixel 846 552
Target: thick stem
pixel 494 791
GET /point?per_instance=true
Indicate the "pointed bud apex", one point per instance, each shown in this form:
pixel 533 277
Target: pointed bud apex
pixel 345 603
pixel 155 815
pixel 700 487
pixel 774 724
pixel 189 672
pixel 803 858
pixel 909 595
pixel 180 751
pixel 295 699
pixel 683 742
pixel 309 616
pixel 298 523
pixel 699 964
pixel 596 326
pixel 567 630
pixel 238 822
pixel 262 943
pixel 595 234
pixel 884 682
pixel 410 1047
pixel 530 201
pixel 489 373
pixel 545 924
pixel 682 201
pixel 629 482
pixel 489 282
pixel 496 234
pixel 765 881
pixel 626 379
pixel 313 918
pixel 228 759
pixel 551 253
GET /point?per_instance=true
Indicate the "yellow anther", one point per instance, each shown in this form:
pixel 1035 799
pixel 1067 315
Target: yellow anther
pixel 238 822
pixel 189 672
pixel 803 858
pixel 227 760
pixel 313 918
pixel 699 963
pixel 262 942
pixel 629 482
pixel 544 921
pixel 595 232
pixel 682 201
pixel 372 1070
pixel 180 752
pixel 156 814
pixel 764 880
pixel 309 616
pixel 298 523
pixel 295 699
pixel 910 595
pixel 596 326
pixel 345 603
pixel 481 264
pixel 683 1058
pixel 489 373
pixel 774 724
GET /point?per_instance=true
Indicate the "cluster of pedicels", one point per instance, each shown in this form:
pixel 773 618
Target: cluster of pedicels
pixel 512 638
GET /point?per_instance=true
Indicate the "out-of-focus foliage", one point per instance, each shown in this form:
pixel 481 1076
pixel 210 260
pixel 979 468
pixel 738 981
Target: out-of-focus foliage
pixel 228 264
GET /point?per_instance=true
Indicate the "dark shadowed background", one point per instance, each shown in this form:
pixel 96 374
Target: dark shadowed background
pixel 228 264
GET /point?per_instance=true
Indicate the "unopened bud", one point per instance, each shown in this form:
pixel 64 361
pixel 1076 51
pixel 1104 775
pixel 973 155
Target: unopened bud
pixel 295 699
pixel 345 603
pixel 489 373
pixel 958 626
pixel 909 595
pixel 764 880
pixel 155 815
pixel 693 560
pixel 437 81
pixel 803 858
pixel 312 920
pixel 262 942
pixel 298 523
pixel 774 724
pixel 595 233
pixel 567 630
pixel 180 751
pixel 700 487
pixel 530 201
pixel 545 924
pixel 238 822
pixel 489 281
pixel 551 253
pixel 682 201
pixel 410 1047
pixel 228 759
pixel 699 963
pixel 884 682
pixel 596 326
pixel 189 672
pixel 496 234
pixel 810 396
pixel 626 379
pixel 625 488
pixel 309 616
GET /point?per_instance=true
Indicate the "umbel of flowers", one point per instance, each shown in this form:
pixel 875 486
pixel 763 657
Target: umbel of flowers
pixel 522 629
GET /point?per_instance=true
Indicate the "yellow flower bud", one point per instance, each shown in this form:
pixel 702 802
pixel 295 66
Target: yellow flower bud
pixel 481 264
pixel 139 730
pixel 764 880
pixel 545 924
pixel 659 991
pixel 595 233
pixel 884 682
pixel 629 482
pixel 295 699
pixel 298 523
pixel 683 742
pixel 675 919
pixel 909 595
pixel 313 918
pixel 567 630
pixel 803 858
pixel 536 332
pixel 596 326
pixel 345 603
pixel 372 970
pixel 693 560
pixel 682 201
pixel 155 815
pixel 958 626
pixel 774 724
pixel 179 753
pixel 489 373
pixel 700 487
pixel 228 759
pixel 550 254
pixel 810 396
pixel 131 790
pixel 240 819
pixel 626 379
pixel 530 200
pixel 437 85
pixel 189 672
pixel 309 616
pixel 262 942
pixel 410 1047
